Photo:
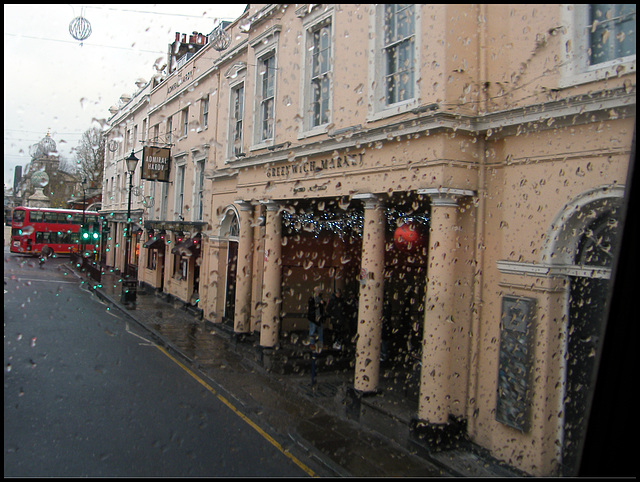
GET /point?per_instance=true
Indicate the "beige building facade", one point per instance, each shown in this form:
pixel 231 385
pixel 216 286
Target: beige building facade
pixel 309 142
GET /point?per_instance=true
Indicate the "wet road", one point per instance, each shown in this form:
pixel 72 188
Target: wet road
pixel 87 394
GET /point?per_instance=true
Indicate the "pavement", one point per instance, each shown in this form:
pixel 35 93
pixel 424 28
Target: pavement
pixel 312 410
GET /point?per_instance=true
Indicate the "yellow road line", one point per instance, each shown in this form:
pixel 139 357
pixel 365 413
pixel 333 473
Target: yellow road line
pixel 240 414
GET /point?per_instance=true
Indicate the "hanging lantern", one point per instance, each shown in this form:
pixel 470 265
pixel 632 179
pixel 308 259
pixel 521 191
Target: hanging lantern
pixel 409 236
pixel 80 29
pixel 219 39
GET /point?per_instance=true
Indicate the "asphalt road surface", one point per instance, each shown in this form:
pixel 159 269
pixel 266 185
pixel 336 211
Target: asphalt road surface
pixel 87 394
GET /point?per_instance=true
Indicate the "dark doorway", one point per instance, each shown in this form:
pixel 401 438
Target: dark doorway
pixel 230 293
pixel 587 310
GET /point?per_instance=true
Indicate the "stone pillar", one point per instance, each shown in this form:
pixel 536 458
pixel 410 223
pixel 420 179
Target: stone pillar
pixel 435 381
pixel 259 220
pixel 241 323
pixel 367 369
pixel 272 279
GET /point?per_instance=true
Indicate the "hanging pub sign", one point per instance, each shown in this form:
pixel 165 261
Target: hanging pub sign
pixel 156 163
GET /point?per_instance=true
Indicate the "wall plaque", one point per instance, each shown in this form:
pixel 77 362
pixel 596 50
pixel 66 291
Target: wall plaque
pixel 514 361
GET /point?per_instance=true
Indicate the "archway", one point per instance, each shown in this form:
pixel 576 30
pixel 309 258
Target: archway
pixel 229 231
pixel 581 246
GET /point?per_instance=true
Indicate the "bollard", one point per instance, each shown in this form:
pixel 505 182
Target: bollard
pixel 314 357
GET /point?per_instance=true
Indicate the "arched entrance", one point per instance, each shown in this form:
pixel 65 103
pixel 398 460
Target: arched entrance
pixel 582 245
pixel 230 230
pixel 588 299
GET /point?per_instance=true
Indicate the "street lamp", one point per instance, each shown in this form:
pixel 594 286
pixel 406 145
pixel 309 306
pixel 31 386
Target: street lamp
pixel 129 286
pixel 83 183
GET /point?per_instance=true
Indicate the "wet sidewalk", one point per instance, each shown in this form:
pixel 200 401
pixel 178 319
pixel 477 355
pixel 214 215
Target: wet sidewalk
pixel 274 388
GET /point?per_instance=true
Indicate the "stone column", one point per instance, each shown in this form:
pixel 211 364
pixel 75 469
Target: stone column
pixel 259 220
pixel 367 369
pixel 272 279
pixel 244 273
pixel 435 381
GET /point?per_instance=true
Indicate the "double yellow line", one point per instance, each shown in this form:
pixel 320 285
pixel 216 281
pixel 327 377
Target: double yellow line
pixel 240 414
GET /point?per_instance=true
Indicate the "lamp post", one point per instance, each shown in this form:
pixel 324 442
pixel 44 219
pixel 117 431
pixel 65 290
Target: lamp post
pixel 84 203
pixel 129 286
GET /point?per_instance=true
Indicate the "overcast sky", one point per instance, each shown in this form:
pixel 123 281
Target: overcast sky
pixel 52 83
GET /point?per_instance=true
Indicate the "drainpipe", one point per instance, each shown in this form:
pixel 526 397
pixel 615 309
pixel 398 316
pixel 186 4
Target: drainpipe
pixel 474 346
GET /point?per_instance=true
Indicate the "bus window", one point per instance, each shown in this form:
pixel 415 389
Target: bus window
pixel 76 218
pixel 64 218
pixel 50 217
pixel 35 217
pixel 18 216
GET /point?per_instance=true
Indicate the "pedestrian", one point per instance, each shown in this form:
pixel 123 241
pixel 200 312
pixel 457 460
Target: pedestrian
pixel 336 313
pixel 316 315
pixel 46 253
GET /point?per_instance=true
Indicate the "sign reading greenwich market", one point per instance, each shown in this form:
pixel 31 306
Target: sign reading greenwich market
pixel 156 163
pixel 338 163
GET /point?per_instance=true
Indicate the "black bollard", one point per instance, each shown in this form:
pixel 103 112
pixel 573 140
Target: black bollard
pixel 314 357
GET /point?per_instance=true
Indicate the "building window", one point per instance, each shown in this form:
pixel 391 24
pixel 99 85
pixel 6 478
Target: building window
pixel 398 51
pixel 169 128
pixel 152 196
pixel 152 259
pixel 612 32
pixel 185 121
pixel 267 73
pixel 180 190
pixel 180 266
pixel 321 66
pixel 200 191
pixel 599 42
pixel 237 117
pixel 156 133
pixel 205 112
pixel 165 201
pixel 144 130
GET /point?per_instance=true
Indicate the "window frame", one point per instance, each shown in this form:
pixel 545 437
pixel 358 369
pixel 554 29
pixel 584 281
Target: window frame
pixel 265 46
pixel 266 98
pixel 204 112
pixel 236 124
pixel 379 108
pixel 185 122
pixel 181 170
pixel 575 66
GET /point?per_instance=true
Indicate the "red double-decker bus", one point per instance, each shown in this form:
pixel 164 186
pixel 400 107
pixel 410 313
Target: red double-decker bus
pixel 62 230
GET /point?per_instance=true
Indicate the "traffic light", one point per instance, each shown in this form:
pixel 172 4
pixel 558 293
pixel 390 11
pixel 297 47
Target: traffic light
pixel 84 233
pixel 95 235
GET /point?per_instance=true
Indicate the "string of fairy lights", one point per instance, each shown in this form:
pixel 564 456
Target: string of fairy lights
pixel 345 224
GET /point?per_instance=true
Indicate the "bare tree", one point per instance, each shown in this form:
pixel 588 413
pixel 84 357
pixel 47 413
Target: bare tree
pixel 90 156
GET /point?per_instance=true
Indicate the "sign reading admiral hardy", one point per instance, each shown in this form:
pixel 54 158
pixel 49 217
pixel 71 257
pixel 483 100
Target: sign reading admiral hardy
pixel 156 163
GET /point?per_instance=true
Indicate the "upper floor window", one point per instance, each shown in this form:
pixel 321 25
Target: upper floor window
pixel 205 112
pixel 612 31
pixel 180 172
pixel 169 128
pixel 599 42
pixel 398 50
pixel 185 121
pixel 199 190
pixel 267 85
pixel 237 117
pixel 320 74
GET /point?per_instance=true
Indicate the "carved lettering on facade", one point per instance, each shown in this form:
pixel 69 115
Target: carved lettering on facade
pixel 309 167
